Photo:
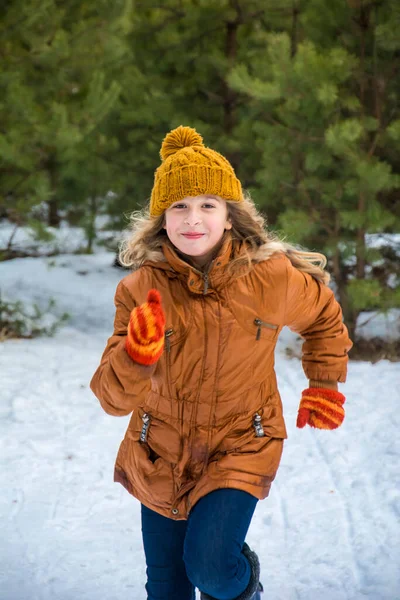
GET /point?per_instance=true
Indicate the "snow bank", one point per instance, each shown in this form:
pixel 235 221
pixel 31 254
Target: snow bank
pixel 330 528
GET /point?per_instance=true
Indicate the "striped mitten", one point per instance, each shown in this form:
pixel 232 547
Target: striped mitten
pixel 321 408
pixel 145 336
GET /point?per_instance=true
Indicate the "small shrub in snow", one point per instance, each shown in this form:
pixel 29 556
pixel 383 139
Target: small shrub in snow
pixel 40 232
pixel 21 321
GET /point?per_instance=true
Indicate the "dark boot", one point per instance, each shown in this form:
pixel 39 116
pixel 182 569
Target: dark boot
pixel 252 592
pixel 258 592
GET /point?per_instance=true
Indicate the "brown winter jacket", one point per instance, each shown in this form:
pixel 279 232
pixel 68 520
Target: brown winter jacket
pixel 193 424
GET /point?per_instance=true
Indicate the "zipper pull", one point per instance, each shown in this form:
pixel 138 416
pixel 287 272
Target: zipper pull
pixel 258 322
pixel 205 283
pixel 259 429
pixel 168 333
pixel 145 427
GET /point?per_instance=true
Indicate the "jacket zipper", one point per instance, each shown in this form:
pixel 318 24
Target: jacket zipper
pixel 206 278
pixel 257 424
pixel 260 324
pixel 145 428
pixel 200 379
pixel 168 334
pixel 205 290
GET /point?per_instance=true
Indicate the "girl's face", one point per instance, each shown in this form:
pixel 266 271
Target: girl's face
pixel 196 224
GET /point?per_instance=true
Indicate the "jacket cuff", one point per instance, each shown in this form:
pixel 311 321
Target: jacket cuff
pixel 318 383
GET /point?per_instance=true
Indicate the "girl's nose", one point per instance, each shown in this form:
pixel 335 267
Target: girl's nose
pixel 193 218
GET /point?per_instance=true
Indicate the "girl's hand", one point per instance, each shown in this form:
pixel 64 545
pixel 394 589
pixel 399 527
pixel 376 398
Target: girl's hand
pixel 146 328
pixel 321 408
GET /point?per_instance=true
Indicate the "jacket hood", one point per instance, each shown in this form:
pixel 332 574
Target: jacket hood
pixel 215 275
pixel 160 256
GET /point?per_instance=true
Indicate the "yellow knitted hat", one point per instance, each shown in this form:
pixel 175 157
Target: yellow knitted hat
pixel 189 168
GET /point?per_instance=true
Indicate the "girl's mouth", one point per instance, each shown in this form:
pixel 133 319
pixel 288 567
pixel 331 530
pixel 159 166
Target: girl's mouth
pixel 193 236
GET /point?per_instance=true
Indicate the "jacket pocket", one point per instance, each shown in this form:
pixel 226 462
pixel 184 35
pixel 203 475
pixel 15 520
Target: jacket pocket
pixel 259 460
pixel 246 432
pixel 172 359
pixel 149 480
pixel 265 330
pixel 254 317
pixel 157 436
pixel 255 454
pixel 178 326
pixel 265 335
pixel 169 335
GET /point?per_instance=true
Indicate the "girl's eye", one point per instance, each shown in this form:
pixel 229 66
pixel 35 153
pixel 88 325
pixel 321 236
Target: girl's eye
pixel 209 205
pixel 179 206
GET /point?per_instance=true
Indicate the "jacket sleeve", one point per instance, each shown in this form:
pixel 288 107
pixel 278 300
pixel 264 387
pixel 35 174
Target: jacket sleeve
pixel 313 312
pixel 119 383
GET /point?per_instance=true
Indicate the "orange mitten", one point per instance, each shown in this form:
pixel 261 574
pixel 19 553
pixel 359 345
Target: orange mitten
pixel 145 339
pixel 321 408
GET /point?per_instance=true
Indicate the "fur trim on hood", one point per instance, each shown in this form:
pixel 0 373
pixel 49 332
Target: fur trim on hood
pixel 264 252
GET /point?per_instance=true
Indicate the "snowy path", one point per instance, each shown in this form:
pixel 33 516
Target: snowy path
pixel 330 528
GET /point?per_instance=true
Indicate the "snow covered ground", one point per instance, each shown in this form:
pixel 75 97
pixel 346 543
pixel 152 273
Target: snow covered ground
pixel 330 528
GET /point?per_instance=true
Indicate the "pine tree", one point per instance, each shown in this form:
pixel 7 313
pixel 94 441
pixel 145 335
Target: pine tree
pixel 325 118
pixel 302 97
pixel 181 53
pixel 56 91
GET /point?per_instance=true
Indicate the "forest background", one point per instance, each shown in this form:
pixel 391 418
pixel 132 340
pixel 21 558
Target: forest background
pixel 302 96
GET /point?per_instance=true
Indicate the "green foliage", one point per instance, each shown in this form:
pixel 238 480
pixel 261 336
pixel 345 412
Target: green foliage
pixel 296 225
pixel 19 321
pixel 365 294
pixel 302 97
pixel 328 138
pixel 370 294
pixel 56 91
pixel 39 231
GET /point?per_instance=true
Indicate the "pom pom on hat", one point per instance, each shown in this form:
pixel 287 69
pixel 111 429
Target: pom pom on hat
pixel 154 296
pixel 181 137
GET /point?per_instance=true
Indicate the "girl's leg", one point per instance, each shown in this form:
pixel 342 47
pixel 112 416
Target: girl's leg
pixel 163 541
pixel 216 530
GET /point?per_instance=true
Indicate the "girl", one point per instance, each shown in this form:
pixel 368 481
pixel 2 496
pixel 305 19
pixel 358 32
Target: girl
pixel 192 356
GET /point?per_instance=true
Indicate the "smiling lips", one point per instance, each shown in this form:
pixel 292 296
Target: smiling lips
pixel 193 235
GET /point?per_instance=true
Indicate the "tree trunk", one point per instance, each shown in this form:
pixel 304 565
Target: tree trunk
pixel 53 218
pixel 360 242
pixel 364 21
pixel 91 228
pixel 349 314
pixel 229 96
pixel 294 29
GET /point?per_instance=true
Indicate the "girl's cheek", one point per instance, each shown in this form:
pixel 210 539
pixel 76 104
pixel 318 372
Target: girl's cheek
pixel 172 221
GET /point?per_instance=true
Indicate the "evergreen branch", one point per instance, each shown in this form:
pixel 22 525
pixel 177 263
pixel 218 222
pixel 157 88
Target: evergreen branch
pixel 374 144
pixel 79 34
pixel 172 47
pixel 297 132
pixel 20 182
pixel 13 26
pixel 179 13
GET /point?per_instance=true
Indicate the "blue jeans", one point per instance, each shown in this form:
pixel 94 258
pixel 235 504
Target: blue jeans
pixel 202 552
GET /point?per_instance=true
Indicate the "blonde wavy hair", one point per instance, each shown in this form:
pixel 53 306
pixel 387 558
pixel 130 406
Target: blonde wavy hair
pixel 249 226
